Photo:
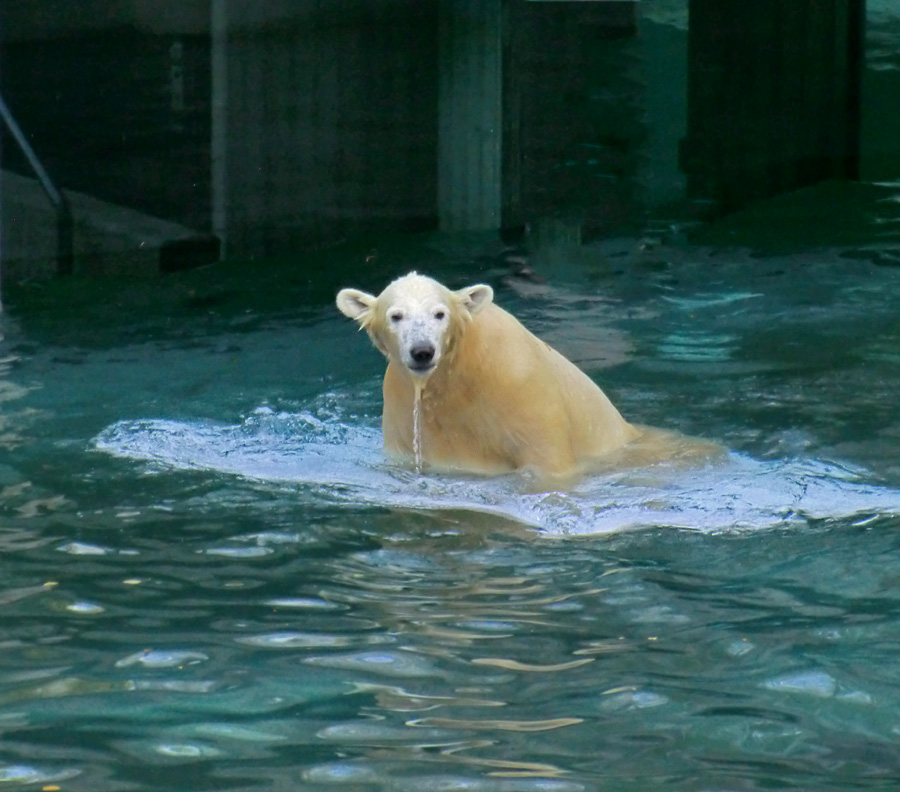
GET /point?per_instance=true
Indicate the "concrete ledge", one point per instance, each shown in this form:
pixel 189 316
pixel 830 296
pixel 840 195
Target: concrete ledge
pixel 107 239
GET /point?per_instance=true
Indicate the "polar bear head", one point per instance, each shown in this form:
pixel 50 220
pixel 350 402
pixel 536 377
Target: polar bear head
pixel 415 321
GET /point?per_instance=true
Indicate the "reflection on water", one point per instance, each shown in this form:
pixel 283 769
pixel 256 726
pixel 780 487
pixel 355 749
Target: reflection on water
pixel 213 578
pixel 13 418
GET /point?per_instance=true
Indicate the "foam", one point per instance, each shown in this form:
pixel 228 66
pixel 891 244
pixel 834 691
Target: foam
pixel 336 459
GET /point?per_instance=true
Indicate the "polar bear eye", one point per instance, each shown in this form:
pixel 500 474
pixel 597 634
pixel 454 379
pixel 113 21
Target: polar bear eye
pixel 396 316
pixel 439 315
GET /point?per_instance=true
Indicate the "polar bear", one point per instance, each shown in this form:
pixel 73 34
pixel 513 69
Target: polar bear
pixel 469 389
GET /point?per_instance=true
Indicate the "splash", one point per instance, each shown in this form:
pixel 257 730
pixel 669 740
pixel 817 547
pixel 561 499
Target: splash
pixel 338 461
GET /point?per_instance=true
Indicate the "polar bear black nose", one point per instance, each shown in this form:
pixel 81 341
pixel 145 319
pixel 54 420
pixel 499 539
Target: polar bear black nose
pixel 422 354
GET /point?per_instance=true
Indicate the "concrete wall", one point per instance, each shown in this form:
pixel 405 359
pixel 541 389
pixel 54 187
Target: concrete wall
pixel 22 20
pixel 179 17
pixel 470 117
pixel 330 121
pixel 336 116
pixel 881 93
pixel 575 113
pixel 773 97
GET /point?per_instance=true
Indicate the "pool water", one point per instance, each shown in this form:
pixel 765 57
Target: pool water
pixel 212 578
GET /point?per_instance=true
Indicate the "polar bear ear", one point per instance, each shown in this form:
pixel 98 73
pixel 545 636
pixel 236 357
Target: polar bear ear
pixel 475 298
pixel 355 304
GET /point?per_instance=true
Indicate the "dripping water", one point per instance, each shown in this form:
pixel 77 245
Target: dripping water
pixel 417 442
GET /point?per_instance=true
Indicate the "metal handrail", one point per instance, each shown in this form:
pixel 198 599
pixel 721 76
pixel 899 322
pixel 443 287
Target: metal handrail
pixel 64 223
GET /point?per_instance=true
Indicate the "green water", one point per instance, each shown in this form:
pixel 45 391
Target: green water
pixel 211 579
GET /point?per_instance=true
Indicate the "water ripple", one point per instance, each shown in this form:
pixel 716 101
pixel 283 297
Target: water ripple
pixel 295 640
pixel 161 658
pixel 381 663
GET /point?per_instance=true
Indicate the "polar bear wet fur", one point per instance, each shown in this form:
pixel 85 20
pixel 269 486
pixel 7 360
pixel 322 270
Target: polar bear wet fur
pixel 492 397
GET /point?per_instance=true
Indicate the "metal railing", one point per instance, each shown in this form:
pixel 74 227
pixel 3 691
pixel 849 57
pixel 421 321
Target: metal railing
pixel 64 224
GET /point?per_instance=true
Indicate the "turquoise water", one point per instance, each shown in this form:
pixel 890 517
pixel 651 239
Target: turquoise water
pixel 212 579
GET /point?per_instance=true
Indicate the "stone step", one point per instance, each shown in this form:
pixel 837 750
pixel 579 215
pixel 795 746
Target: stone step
pixel 107 239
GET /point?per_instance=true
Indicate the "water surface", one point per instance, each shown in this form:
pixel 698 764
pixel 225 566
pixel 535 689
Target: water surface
pixel 212 579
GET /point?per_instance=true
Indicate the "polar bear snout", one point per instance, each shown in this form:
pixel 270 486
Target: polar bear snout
pixel 419 342
pixel 421 356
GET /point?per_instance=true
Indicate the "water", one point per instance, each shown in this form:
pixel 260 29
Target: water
pixel 417 442
pixel 213 579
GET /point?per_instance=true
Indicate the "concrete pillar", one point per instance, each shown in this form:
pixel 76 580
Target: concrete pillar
pixel 470 119
pixel 219 123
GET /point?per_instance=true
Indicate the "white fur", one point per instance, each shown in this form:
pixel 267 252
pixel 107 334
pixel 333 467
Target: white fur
pixel 468 388
pixel 413 314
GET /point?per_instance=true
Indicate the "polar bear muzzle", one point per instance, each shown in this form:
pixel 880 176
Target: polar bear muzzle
pixel 421 356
